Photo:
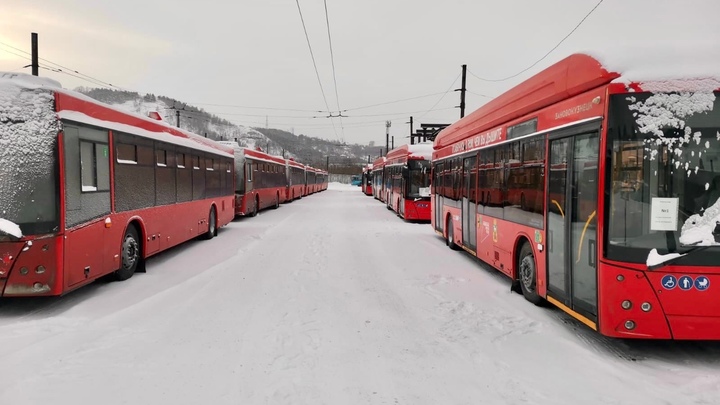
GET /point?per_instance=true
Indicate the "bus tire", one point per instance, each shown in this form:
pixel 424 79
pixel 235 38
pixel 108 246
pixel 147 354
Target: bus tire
pixel 527 274
pixel 256 203
pixel 130 255
pixel 212 225
pixel 450 241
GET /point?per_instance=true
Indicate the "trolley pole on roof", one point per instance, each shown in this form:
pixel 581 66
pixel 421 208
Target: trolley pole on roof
pixel 177 116
pixel 34 58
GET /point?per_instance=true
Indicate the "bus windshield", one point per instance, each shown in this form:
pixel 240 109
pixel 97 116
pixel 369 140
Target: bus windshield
pixel 418 179
pixel 28 149
pixel 663 180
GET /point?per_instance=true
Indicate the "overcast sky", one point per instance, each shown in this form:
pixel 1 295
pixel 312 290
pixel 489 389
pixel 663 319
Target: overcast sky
pixel 253 53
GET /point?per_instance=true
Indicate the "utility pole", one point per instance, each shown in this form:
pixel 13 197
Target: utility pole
pixel 387 136
pixel 462 91
pixel 393 141
pixel 327 164
pixel 177 115
pixel 412 139
pixel 34 58
pixel 368 159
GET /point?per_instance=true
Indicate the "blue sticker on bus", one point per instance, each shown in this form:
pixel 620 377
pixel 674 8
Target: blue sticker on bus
pixel 669 282
pixel 686 283
pixel 702 283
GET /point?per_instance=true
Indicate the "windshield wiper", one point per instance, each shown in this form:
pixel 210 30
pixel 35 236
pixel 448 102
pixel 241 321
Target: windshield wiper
pixel 676 258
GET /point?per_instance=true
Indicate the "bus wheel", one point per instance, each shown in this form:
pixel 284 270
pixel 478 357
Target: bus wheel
pixel 450 242
pixel 255 207
pixel 212 225
pixel 130 255
pixel 527 274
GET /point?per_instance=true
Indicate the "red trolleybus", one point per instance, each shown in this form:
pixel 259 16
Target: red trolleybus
pixel 595 193
pixel 367 179
pixel 295 179
pixel 92 190
pixel 260 180
pixel 408 167
pixel 322 179
pixel 378 178
pixel 315 181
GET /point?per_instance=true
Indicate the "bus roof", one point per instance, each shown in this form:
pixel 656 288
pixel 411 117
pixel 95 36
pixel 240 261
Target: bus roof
pixel 419 151
pixel 74 106
pixel 569 77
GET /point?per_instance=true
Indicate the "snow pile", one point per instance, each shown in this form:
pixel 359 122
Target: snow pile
pixel 698 230
pixel 654 258
pixel 422 150
pixel 645 60
pixel 10 228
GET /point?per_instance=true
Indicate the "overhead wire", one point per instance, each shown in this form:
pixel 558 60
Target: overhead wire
pixel 544 56
pixel 317 73
pixel 332 60
pixel 441 97
pixel 60 68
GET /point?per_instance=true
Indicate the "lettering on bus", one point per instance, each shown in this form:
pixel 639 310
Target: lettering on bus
pixel 577 109
pixel 479 140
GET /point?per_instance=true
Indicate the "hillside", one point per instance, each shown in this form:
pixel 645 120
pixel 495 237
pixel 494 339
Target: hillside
pixel 304 148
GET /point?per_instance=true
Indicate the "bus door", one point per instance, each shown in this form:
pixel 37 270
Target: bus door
pixel 439 190
pixel 469 209
pixel 90 249
pixel 571 212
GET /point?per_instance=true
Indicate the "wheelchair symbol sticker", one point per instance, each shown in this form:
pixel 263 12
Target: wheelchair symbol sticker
pixel 702 283
pixel 669 282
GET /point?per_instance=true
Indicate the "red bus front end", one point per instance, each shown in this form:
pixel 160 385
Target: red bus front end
pixel 661 245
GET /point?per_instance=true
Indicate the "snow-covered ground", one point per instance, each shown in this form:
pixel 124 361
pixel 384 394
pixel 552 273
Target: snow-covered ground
pixel 329 300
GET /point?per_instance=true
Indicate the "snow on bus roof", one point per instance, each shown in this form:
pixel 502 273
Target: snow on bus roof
pixel 29 81
pixel 130 129
pixel 653 70
pixel 416 151
pixel 68 109
pixel 642 62
pixel 421 150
